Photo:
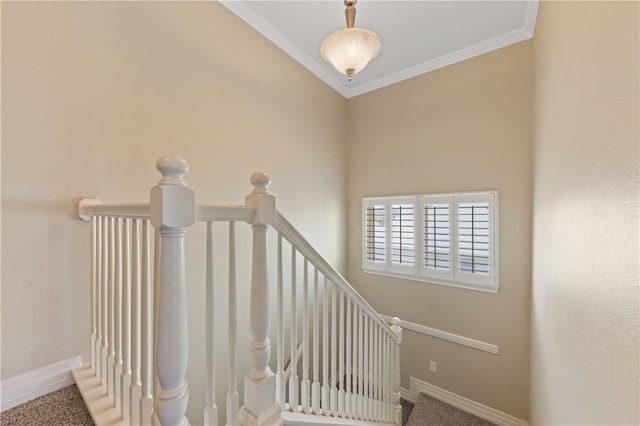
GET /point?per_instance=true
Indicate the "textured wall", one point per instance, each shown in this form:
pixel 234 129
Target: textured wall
pixel 461 128
pixel 584 339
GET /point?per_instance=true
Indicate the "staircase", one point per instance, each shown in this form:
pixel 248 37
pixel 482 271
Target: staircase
pixel 336 360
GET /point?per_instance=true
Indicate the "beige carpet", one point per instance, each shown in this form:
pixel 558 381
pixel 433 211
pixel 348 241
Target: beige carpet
pixel 64 407
pixel 429 411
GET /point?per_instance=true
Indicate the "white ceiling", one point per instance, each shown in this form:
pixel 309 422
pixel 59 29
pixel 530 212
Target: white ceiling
pixel 417 36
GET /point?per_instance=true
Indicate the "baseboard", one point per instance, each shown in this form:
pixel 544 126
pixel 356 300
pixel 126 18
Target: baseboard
pixel 407 395
pixel 498 417
pixel 28 386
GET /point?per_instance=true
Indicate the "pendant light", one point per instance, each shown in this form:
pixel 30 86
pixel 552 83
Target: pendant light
pixel 351 49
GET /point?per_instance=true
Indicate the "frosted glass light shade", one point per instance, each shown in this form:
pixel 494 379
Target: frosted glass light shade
pixel 351 49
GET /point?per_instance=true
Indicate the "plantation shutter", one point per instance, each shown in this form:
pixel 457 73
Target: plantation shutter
pixel 402 244
pixel 437 246
pixel 374 233
pixel 449 239
pixel 437 236
pixel 475 238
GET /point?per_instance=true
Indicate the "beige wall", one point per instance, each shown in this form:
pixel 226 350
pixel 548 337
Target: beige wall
pixel 464 127
pixel 585 332
pixel 92 94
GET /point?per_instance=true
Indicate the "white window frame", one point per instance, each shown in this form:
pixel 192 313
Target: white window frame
pixel 388 265
pixel 454 276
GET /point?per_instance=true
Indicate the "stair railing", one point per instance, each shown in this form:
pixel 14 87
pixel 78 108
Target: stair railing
pixel 139 340
pixel 350 356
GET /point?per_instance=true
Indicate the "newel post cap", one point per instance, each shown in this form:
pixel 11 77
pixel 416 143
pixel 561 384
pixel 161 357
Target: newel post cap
pixel 172 201
pixel 396 326
pixel 260 199
pixel 173 170
pixel 260 182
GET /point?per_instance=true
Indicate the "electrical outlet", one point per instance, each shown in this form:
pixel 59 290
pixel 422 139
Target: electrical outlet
pixel 433 366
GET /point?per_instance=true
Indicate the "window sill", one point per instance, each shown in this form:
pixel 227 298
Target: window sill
pixel 478 287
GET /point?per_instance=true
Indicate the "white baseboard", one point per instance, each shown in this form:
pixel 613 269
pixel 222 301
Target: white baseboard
pixel 498 417
pixel 407 395
pixel 28 386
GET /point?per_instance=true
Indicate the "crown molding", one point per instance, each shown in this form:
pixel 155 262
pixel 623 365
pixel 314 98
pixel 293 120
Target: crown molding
pixel 276 37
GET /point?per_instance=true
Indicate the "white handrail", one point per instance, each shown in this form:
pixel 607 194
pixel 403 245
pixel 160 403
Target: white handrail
pixel 93 207
pixel 224 213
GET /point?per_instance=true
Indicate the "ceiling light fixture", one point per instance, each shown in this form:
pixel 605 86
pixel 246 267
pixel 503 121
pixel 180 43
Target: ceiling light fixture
pixel 351 49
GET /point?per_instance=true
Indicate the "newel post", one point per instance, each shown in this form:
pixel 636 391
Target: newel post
pixel 172 212
pixel 260 407
pixel 397 408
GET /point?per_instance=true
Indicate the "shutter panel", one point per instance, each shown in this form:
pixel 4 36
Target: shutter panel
pixel 375 247
pixel 473 237
pixel 437 236
pixel 477 239
pixel 403 244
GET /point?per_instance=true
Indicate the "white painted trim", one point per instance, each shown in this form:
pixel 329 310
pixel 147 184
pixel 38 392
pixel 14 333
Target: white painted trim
pixel 101 406
pixel 445 335
pixel 407 395
pixel 465 404
pixel 469 52
pixel 301 419
pixel 28 386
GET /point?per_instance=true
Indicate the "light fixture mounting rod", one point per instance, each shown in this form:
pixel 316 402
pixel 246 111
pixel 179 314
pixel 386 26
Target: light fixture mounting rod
pixel 350 12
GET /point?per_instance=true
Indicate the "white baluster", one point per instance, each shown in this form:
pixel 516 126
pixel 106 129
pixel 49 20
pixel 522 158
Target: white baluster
pixel 280 374
pixel 210 409
pixel 260 405
pixel 333 392
pixel 325 349
pixel 117 373
pixel 385 378
pixel 111 359
pixel 135 389
pixel 99 302
pixel 232 394
pixel 341 390
pixel 146 328
pixel 365 368
pixel 348 402
pixel 305 390
pixel 372 330
pixel 359 370
pixel 293 340
pixel 125 380
pixel 315 386
pixel 376 383
pixel 379 375
pixel 397 408
pixel 172 211
pixel 94 283
pixel 353 408
pixel 105 302
pixel 388 365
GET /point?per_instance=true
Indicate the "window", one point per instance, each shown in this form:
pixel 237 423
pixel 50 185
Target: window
pixel 447 239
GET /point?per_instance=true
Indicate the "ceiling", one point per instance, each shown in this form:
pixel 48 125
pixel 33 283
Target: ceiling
pixel 417 36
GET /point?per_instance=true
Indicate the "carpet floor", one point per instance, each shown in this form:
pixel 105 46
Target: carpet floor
pixel 429 411
pixel 65 407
